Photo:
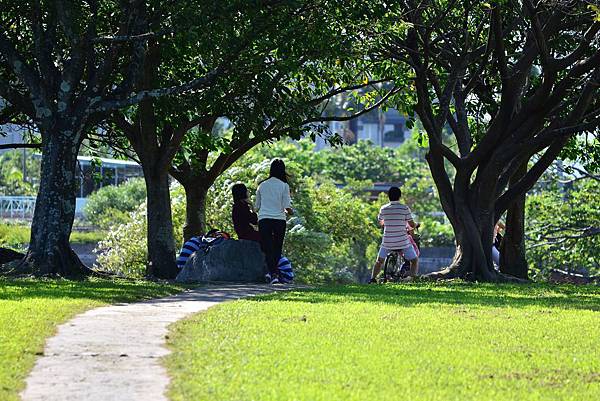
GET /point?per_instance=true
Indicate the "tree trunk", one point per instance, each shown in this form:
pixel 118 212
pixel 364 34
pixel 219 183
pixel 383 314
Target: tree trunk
pixel 473 256
pixel 512 248
pixel 161 242
pixel 195 210
pixel 471 260
pixel 49 250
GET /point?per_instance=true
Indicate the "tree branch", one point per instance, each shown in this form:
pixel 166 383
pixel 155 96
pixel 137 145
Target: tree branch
pixel 132 38
pixel 195 84
pixel 20 67
pixel 343 89
pixel 21 145
pixel 355 115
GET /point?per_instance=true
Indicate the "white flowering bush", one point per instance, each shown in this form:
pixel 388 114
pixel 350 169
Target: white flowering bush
pixel 125 249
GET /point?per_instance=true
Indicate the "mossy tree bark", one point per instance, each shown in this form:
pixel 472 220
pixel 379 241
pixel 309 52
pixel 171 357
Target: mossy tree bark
pixel 161 240
pixel 49 250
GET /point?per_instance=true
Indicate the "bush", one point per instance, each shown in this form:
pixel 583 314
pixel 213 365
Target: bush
pixel 436 233
pixel 560 228
pixel 112 205
pixel 14 236
pixel 124 250
pixel 12 181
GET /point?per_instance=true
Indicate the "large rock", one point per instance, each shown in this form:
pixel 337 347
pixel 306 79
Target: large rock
pixel 231 260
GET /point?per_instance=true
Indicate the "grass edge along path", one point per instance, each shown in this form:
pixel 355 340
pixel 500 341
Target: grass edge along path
pixel 31 310
pixel 423 341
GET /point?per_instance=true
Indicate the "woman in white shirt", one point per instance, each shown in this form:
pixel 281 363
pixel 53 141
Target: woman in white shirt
pixel 273 202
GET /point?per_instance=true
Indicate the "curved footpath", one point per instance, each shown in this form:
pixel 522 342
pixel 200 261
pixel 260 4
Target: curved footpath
pixel 112 353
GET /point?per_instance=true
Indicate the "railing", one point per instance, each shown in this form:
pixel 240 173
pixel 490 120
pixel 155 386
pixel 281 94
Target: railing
pixel 14 207
pixel 22 207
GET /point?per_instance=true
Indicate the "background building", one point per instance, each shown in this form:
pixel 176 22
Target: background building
pixel 382 128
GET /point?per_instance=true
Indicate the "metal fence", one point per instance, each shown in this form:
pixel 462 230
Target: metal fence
pixel 17 207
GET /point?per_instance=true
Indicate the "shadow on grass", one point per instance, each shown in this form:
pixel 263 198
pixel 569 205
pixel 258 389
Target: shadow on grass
pixel 453 293
pixel 94 289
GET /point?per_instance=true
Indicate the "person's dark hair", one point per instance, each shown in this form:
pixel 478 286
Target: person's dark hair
pixel 278 170
pixel 394 193
pixel 239 192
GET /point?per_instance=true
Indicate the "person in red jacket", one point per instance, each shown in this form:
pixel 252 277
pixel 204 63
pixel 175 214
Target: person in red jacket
pixel 243 215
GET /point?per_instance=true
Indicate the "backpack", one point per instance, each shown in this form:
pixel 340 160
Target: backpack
pixel 204 243
pixel 286 274
pixel 212 238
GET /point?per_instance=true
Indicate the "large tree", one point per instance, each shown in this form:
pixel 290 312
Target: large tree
pixel 512 82
pixel 155 128
pixel 66 65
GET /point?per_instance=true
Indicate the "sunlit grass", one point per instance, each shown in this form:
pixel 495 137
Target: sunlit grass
pixel 15 236
pixel 399 342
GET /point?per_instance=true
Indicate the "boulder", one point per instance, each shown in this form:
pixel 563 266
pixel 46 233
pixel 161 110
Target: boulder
pixel 231 260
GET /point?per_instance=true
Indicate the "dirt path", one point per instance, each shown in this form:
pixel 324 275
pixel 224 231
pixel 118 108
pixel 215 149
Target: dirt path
pixel 112 353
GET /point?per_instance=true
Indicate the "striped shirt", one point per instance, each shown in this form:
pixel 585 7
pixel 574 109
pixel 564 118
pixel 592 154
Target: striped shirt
pixel 395 216
pixel 191 246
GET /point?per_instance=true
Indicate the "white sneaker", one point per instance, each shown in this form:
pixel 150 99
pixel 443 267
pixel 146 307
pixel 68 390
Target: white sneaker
pixel 275 281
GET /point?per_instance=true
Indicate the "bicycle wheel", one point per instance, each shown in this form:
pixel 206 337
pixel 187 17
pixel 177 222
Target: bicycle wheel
pixel 390 267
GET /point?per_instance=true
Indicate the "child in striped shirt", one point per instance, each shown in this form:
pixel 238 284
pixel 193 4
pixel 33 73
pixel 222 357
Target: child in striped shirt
pixel 395 217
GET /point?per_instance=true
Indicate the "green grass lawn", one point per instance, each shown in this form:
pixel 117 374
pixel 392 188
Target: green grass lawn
pixel 14 236
pixel 422 341
pixel 30 310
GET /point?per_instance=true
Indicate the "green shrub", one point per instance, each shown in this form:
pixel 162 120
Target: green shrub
pixel 12 180
pixel 14 236
pixel 435 233
pixel 124 249
pixel 112 205
pixel 560 225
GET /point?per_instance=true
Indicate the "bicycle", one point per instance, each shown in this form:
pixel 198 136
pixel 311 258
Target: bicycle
pixel 396 267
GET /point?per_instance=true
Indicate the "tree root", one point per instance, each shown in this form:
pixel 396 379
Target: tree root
pixel 9 255
pixel 447 274
pixel 69 266
pixel 507 278
pixel 453 272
